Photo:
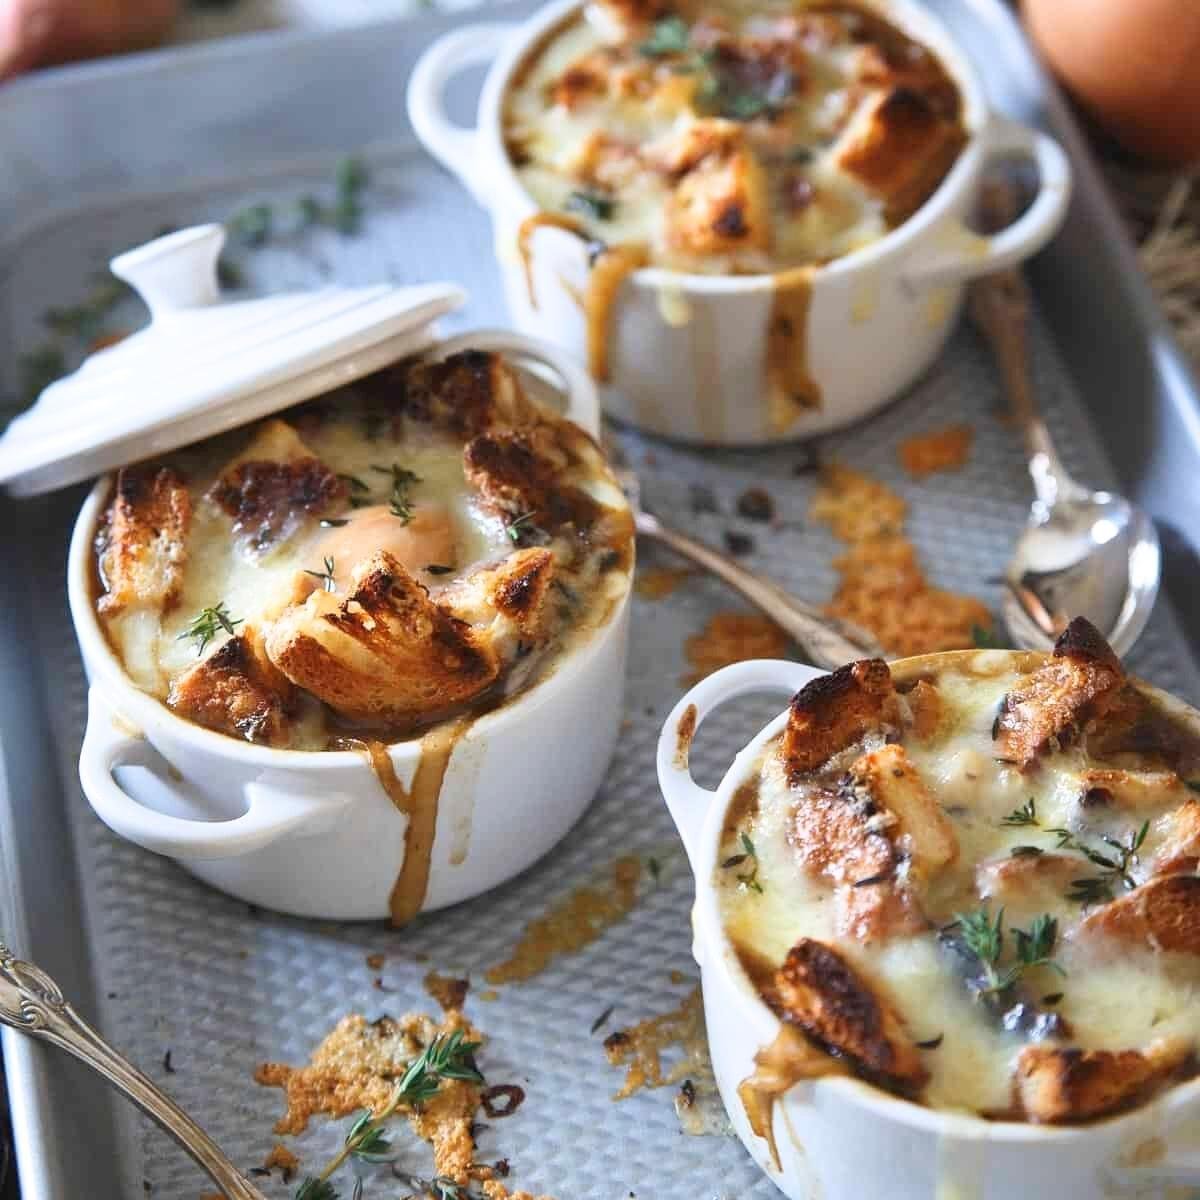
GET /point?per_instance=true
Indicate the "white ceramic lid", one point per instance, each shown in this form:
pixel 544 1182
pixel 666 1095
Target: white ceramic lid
pixel 202 366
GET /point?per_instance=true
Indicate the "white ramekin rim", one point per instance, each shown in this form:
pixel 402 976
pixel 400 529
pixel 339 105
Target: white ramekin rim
pixel 511 196
pixel 150 714
pixel 719 954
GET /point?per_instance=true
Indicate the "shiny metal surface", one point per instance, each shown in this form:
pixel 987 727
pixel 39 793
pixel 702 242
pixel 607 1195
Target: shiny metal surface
pixel 1094 554
pixel 33 1003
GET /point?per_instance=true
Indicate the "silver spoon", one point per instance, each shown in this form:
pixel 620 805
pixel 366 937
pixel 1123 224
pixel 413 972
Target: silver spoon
pixel 828 641
pixel 1083 553
pixel 33 1003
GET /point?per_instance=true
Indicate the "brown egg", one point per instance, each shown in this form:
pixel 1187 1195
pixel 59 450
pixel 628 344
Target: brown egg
pixel 1132 64
pixel 426 540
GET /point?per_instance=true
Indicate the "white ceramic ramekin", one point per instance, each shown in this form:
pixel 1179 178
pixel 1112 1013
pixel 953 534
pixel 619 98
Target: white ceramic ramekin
pixel 313 833
pixel 840 1138
pixel 688 353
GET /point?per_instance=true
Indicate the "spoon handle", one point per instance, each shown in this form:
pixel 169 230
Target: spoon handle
pixel 33 1003
pixel 1000 305
pixel 830 643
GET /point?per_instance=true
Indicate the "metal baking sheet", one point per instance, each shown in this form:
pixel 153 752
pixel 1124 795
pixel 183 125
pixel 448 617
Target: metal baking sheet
pixel 160 961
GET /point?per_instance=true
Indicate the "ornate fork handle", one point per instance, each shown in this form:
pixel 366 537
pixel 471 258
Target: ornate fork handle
pixel 32 1002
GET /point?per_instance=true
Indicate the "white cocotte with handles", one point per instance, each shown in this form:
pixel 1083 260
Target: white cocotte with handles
pixel 313 833
pixel 688 353
pixel 840 1138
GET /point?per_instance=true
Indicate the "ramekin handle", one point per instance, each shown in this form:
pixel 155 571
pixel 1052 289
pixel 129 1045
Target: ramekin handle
pixel 687 801
pixel 271 815
pixel 955 253
pixel 455 147
pixel 582 401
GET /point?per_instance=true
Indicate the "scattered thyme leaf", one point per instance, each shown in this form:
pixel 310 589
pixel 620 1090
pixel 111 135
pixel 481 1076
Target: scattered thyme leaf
pixel 439 569
pixel 1026 852
pixel 592 203
pixel 316 1189
pixel 325 576
pixel 207 623
pixel 669 36
pixel 602 1019
pixel 399 501
pixel 985 639
pixel 1025 815
pixel 932 1043
pixel 334 522
pixel 521 527
pixel 1093 890
pixel 749 879
pixel 252 225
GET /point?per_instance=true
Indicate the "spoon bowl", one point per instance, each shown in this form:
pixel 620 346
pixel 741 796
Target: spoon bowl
pixel 1094 555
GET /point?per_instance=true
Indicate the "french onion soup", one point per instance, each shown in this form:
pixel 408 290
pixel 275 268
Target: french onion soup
pixel 971 879
pixel 414 548
pixel 730 137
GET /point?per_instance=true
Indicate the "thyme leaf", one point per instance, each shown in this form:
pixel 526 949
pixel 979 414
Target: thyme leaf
pixel 592 203
pixel 207 623
pixel 749 879
pixel 448 1056
pixel 1025 815
pixel 669 36
pixel 984 938
pixel 325 576
pixel 985 639
pixel 399 501
pixel 521 527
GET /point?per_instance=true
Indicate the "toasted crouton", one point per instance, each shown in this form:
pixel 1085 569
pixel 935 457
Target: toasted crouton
pixel 236 690
pixel 1062 698
pixel 273 485
pixel 720 207
pixel 683 149
pixel 1129 789
pixel 834 711
pixel 839 832
pixel 386 654
pixel 818 990
pixel 517 590
pixel 896 786
pixel 1062 1084
pixel 467 394
pixel 899 148
pixel 518 474
pixel 1180 850
pixel 1161 914
pixel 145 547
pixel 629 17
pixel 925 704
pixel 1026 885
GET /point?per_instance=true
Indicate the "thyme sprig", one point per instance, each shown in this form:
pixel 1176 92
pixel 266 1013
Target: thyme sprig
pixel 207 623
pixel 749 877
pixel 1025 815
pixel 669 36
pixel 325 576
pixel 399 501
pixel 984 938
pixel 598 205
pixel 521 527
pixel 448 1056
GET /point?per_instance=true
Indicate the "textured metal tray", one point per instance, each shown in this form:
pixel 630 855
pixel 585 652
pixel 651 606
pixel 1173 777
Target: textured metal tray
pixel 162 962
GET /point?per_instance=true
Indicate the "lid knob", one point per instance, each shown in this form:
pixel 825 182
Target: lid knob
pixel 174 272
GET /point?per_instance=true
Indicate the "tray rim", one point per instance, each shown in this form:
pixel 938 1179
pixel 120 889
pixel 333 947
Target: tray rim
pixel 28 1066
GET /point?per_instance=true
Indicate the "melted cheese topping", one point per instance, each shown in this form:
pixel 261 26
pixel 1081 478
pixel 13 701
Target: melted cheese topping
pixel 1112 997
pixel 397 485
pixel 722 143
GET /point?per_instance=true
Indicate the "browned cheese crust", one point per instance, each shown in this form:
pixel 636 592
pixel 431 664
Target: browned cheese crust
pixel 1062 698
pixel 386 653
pixel 1180 850
pixel 145 543
pixel 1162 914
pixel 834 711
pixel 274 483
pixel 465 394
pixel 874 832
pixel 900 147
pixel 1057 1084
pixel 819 991
pixel 236 690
